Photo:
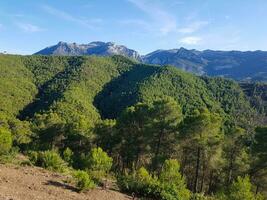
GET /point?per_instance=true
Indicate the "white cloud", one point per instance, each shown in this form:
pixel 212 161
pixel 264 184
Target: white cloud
pixel 192 40
pixel 68 17
pixel 193 27
pixel 27 27
pixel 163 21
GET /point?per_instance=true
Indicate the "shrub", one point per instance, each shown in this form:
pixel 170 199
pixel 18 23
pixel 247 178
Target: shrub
pixel 140 183
pixel 99 160
pixel 83 181
pixel 67 155
pixel 51 160
pixel 5 141
pixel 99 163
pixel 33 157
pixel 47 159
pixel 169 186
pixel 241 189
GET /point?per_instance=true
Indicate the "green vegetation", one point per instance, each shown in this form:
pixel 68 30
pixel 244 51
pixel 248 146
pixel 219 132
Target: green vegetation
pixel 241 190
pixel 68 155
pixel 168 185
pixel 164 133
pixel 83 181
pixel 48 159
pixel 5 141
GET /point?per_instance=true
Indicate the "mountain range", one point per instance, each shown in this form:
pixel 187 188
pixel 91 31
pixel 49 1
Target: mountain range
pixel 238 65
pixel 93 48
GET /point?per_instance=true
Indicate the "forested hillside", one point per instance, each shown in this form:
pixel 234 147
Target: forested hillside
pixel 238 65
pixel 164 133
pixel 257 93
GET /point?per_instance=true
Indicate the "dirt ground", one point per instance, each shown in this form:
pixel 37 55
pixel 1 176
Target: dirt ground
pixel 32 183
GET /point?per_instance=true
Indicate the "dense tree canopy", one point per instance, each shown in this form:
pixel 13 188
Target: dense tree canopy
pixel 160 130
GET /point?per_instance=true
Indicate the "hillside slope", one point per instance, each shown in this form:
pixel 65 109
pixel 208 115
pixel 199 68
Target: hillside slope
pixel 24 183
pixel 90 88
pixel 248 65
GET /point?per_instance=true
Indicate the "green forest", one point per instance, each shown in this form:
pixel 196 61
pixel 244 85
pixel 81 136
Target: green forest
pixel 159 132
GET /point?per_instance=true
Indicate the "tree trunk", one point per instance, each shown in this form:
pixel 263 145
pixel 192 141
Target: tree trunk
pixel 184 164
pixel 157 149
pixel 197 171
pixel 203 177
pixel 230 170
pixel 257 189
pixel 210 182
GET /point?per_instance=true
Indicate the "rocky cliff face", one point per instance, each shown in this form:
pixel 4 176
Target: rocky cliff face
pixel 93 48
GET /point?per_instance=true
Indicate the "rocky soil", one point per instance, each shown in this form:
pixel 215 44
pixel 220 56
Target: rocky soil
pixel 33 183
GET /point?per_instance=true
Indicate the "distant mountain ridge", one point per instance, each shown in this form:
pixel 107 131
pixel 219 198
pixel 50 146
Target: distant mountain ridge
pixel 93 48
pixel 238 65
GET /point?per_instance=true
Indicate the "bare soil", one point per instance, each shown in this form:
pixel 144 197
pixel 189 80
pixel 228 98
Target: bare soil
pixel 33 183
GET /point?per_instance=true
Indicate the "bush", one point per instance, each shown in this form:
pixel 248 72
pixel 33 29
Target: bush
pixel 140 183
pixel 99 163
pixel 5 141
pixel 99 160
pixel 169 186
pixel 241 189
pixel 47 159
pixel 67 155
pixel 51 160
pixel 83 181
pixel 33 157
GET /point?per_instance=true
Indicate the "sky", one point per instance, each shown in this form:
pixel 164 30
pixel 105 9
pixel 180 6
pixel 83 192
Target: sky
pixel 27 26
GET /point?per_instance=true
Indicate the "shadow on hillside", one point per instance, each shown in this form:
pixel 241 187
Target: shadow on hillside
pixel 53 89
pixel 122 91
pixel 61 185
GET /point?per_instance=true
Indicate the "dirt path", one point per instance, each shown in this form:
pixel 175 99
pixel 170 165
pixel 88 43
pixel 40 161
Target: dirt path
pixel 32 183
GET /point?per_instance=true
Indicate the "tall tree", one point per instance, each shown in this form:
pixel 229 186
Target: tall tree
pixel 259 153
pixel 165 116
pixel 106 136
pixel 200 135
pixel 236 153
pixel 133 137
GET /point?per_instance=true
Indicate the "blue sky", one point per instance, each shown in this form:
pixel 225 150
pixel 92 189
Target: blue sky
pixel 27 26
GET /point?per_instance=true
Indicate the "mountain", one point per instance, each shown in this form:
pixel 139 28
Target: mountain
pixel 249 65
pixel 93 48
pixel 188 60
pixel 238 65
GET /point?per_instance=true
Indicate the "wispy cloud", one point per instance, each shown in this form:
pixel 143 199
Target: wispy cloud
pixel 192 40
pixel 193 27
pixel 136 22
pixel 89 23
pixel 1 27
pixel 27 27
pixel 164 21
